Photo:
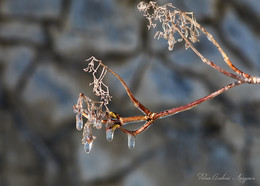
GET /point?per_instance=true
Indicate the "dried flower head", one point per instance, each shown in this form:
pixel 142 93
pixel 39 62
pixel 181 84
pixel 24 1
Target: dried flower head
pixel 175 23
pixel 98 72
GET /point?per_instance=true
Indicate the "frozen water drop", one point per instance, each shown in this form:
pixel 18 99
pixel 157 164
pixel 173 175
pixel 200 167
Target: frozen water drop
pixel 131 141
pixel 88 146
pixel 79 121
pixel 109 134
pixel 79 124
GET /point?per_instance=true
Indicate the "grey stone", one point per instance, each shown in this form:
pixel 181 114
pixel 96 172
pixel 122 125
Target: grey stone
pixel 86 14
pixel 201 8
pixel 22 31
pixel 53 90
pixel 16 60
pixel 35 8
pixel 253 5
pixel 242 37
pixel 160 86
pixel 100 26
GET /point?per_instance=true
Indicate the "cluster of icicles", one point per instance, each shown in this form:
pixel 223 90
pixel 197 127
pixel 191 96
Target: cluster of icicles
pixel 95 117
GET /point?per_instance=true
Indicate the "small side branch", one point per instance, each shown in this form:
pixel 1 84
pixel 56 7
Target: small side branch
pixel 224 55
pixel 173 111
pixel 139 130
pixel 206 61
pixel 136 103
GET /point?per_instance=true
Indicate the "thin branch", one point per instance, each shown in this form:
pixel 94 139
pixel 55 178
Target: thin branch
pixel 173 111
pixel 224 55
pixel 187 29
pixel 139 130
pixel 136 103
pixel 206 61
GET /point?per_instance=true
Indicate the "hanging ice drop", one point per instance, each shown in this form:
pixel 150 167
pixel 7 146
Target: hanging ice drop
pixel 79 121
pixel 131 141
pixel 109 134
pixel 88 146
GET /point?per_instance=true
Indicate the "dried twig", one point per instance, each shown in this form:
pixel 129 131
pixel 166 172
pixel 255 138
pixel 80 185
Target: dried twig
pixel 177 26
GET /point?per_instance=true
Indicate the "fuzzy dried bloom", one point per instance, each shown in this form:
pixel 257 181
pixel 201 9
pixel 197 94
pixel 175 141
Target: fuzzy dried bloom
pixel 99 87
pixel 175 24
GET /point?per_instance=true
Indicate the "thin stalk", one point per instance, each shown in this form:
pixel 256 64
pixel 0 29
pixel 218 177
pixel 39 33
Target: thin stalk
pixel 139 130
pixel 205 60
pixel 126 120
pixel 225 57
pixel 136 103
pixel 173 111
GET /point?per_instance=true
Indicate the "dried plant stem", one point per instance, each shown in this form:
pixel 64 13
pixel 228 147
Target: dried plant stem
pixel 205 60
pixel 177 26
pixel 139 130
pixel 224 55
pixel 176 110
pixel 137 103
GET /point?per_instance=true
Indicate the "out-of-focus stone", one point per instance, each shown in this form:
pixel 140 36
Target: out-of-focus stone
pixel 162 86
pixel 47 9
pixel 22 31
pixel 239 34
pixel 201 8
pixel 253 5
pixel 234 134
pixel 53 90
pixel 101 26
pixel 16 60
pixel 139 177
pixel 255 159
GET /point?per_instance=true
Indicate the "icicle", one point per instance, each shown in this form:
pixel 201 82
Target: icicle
pixel 79 121
pixel 88 146
pixel 109 134
pixel 131 141
pixel 87 134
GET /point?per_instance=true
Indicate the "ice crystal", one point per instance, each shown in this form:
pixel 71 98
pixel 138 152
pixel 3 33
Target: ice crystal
pixel 131 141
pixel 88 146
pixel 79 121
pixel 109 134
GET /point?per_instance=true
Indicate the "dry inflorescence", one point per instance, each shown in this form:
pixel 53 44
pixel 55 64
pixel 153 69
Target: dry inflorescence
pixel 177 26
pixel 173 21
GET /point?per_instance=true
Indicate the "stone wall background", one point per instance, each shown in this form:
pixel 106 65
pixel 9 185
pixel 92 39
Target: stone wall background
pixel 43 45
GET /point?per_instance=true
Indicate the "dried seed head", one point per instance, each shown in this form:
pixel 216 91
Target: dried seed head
pixel 98 71
pixel 176 25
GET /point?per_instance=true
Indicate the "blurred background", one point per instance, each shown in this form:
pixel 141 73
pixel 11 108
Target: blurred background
pixel 43 47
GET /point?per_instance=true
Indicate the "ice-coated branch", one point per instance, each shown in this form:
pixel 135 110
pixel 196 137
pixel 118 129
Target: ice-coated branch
pixel 177 26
